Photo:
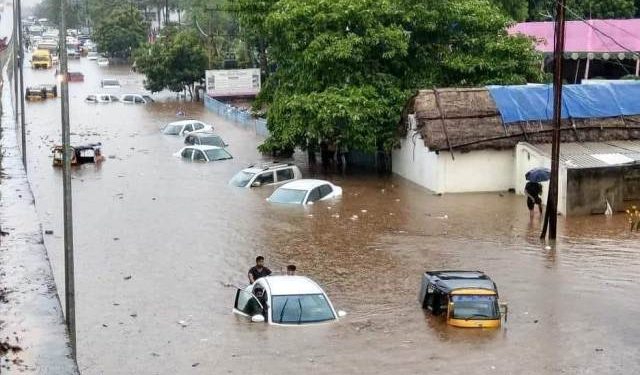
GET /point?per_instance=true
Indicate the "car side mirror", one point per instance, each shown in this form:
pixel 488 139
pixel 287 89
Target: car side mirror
pixel 504 310
pixel 256 184
pixel 258 318
pixel 342 313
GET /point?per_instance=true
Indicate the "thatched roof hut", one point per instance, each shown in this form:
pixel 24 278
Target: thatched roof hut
pixel 466 119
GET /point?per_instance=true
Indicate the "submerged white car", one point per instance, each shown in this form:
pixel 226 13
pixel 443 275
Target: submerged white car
pixel 185 126
pixel 305 191
pixel 285 300
pixel 274 174
pixel 203 153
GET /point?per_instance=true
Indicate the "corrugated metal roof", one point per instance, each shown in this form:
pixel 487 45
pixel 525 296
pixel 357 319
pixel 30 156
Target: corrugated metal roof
pixel 594 154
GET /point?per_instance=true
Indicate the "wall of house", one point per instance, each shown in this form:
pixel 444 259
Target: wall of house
pixel 592 188
pixel 477 171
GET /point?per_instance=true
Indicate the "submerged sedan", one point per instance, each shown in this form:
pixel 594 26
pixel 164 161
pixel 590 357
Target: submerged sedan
pixel 285 300
pixel 305 191
pixel 203 153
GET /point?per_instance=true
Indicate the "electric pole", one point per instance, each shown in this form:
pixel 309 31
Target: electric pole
pixel 551 212
pixel 69 282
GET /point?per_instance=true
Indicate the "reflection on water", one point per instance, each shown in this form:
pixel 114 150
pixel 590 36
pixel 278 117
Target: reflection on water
pixel 185 237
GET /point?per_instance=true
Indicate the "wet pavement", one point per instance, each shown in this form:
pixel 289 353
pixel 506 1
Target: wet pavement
pixel 159 240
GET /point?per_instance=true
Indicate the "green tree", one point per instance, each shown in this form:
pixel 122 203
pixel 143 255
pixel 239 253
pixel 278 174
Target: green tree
pixel 175 62
pixel 346 67
pixel 542 10
pixel 518 10
pixel 121 31
pixel 50 9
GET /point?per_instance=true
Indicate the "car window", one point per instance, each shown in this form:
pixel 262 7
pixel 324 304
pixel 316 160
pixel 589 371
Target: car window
pixel 247 303
pixel 198 155
pixel 300 309
pixel 128 98
pixel 187 153
pixel 188 128
pixel 139 100
pixel 265 178
pixel 325 190
pixel 189 140
pixel 314 195
pixel 198 126
pixel 285 174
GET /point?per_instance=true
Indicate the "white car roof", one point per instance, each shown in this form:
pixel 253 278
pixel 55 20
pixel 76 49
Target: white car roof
pixel 203 147
pixel 184 122
pixel 305 184
pixel 290 285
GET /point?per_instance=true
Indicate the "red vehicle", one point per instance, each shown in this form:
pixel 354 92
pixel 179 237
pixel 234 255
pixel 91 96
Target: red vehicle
pixel 75 77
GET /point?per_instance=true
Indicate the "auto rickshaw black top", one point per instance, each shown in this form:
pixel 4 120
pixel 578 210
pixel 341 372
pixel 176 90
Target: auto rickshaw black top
pixel 448 281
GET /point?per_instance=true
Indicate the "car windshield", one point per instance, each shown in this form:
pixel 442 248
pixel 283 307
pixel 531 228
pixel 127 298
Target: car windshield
pixel 475 307
pixel 217 154
pixel 172 129
pixel 290 196
pixel 212 140
pixel 241 179
pixel 300 309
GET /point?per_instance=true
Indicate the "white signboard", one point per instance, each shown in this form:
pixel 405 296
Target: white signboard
pixel 233 82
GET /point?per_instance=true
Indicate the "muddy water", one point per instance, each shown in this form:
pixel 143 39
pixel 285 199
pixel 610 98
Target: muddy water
pixel 184 236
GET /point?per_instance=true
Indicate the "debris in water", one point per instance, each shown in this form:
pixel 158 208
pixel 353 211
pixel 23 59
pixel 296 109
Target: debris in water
pixel 547 247
pixel 134 315
pixel 364 211
pixel 599 350
pixel 48 231
pixel 104 325
pixel 5 348
pixel 195 364
pixel 354 217
pixel 535 321
pixel 154 354
pixel 183 323
pixel 128 277
pixel 111 156
pixel 116 239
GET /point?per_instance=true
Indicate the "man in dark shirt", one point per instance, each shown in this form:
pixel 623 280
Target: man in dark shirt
pixel 533 190
pixel 258 271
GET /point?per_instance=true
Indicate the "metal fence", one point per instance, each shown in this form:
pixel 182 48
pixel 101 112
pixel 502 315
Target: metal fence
pixel 240 116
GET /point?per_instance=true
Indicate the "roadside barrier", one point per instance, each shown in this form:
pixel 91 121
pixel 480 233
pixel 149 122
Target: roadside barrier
pixel 237 115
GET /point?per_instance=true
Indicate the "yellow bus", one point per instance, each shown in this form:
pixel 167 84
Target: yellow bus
pixel 41 58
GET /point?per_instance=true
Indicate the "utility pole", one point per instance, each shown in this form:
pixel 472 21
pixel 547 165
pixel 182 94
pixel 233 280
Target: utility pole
pixel 15 62
pixel 69 282
pixel 20 98
pixel 551 212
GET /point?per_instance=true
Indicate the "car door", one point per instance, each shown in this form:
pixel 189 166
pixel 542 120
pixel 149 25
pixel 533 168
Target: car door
pixel 246 304
pixel 198 126
pixel 325 191
pixel 284 175
pixel 314 195
pixel 188 128
pixel 187 153
pixel 199 156
pixel 264 178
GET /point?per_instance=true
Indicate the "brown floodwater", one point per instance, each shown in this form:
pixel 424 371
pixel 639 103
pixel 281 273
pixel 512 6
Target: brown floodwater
pixel 185 237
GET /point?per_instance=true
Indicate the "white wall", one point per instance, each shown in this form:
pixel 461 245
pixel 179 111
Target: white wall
pixel 416 163
pixel 476 171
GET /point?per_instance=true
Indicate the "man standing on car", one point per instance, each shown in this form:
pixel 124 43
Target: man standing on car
pixel 259 270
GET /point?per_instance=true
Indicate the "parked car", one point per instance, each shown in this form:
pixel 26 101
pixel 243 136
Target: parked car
pixel 92 56
pixel 75 77
pixel 185 127
pixel 102 61
pixel 41 92
pixel 285 300
pixel 305 191
pixel 109 83
pixel 268 175
pixel 203 153
pixel 101 98
pixel 90 153
pixel 136 99
pixel 204 138
pixel 465 298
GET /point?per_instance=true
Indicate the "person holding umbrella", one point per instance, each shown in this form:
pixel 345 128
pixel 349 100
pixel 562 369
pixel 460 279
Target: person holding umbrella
pixel 533 188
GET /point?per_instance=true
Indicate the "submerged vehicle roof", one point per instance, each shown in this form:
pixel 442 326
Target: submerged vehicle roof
pixel 88 146
pixel 448 281
pixel 292 285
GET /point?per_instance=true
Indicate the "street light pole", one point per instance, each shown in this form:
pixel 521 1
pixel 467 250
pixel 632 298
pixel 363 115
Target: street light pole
pixel 69 282
pixel 20 98
pixel 551 212
pixel 15 61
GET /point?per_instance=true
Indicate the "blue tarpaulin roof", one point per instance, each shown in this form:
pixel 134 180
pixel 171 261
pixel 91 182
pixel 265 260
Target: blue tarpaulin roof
pixel 535 102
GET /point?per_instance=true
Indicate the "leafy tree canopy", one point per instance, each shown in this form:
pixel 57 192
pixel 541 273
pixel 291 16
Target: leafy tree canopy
pixel 175 62
pixel 346 68
pixel 121 31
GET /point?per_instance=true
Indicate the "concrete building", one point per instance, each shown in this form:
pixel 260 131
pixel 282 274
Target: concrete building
pixel 456 141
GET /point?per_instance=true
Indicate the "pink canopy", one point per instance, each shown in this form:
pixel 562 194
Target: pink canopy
pixel 581 37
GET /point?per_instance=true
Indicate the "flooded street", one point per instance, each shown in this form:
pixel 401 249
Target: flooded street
pixel 186 238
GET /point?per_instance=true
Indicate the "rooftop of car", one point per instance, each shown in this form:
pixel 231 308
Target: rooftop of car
pixel 183 122
pixel 204 147
pixel 203 134
pixel 266 167
pixel 290 285
pixel 304 184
